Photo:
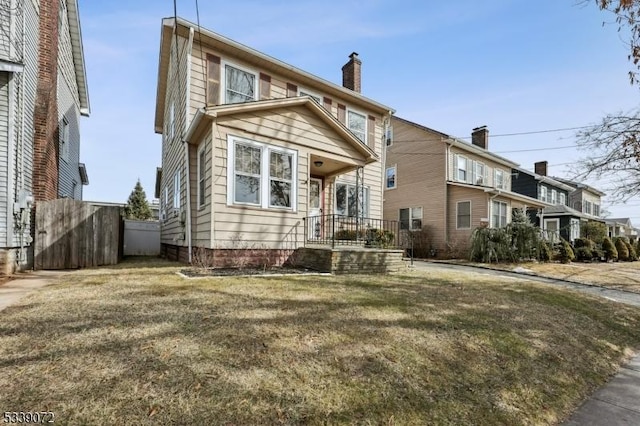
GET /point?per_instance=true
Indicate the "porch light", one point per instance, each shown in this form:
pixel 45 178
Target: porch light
pixel 318 163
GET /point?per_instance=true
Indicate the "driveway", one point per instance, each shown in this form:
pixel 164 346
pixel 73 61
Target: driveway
pixel 620 296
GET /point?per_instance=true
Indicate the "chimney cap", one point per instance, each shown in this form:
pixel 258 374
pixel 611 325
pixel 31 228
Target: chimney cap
pixel 354 55
pixel 483 127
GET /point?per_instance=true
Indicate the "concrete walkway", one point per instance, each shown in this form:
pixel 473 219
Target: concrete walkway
pixel 617 403
pixel 12 291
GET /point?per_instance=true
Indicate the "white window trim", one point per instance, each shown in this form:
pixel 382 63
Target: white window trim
pixel 457 168
pixel 412 218
pixel 506 212
pixel 202 167
pixel 265 185
pixel 366 122
pixel 499 172
pixel 223 79
pixel 310 93
pixel 395 177
pixel 562 198
pixel 366 189
pixel 554 196
pixel 470 213
pixel 546 230
pixel 176 190
pixel 388 136
pixel 476 164
pixel 574 231
pixel 543 193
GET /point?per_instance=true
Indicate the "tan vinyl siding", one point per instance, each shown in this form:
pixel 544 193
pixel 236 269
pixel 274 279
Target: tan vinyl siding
pixel 489 164
pixel 201 226
pixel 420 159
pixel 173 232
pixel 479 210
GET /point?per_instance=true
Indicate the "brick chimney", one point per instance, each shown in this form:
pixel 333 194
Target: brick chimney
pixel 480 137
pixel 351 73
pixel 540 168
pixel 45 115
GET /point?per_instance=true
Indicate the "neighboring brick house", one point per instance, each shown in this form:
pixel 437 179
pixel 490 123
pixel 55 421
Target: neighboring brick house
pixel 447 187
pixel 43 93
pixel 558 220
pixel 253 147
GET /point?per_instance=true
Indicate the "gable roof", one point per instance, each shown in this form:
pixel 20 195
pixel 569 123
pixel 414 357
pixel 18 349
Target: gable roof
pixel 77 51
pixel 458 143
pixel 251 56
pixel 545 179
pixel 578 185
pixel 204 115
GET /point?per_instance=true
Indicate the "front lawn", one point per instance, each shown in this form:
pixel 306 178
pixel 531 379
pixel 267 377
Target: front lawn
pixel 137 344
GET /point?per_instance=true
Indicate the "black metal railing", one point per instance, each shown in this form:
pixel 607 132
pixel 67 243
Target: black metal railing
pixel 334 229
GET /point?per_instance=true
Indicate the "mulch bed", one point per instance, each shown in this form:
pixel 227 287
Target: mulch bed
pixel 234 272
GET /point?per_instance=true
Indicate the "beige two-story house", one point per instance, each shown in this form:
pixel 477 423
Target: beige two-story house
pixel 254 148
pixel 447 187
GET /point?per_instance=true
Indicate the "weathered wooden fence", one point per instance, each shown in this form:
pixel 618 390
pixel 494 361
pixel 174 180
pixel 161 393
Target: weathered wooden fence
pixel 73 234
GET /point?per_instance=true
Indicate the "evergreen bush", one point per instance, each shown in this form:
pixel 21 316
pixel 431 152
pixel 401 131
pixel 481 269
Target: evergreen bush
pixel 565 252
pixel 623 251
pixel 610 252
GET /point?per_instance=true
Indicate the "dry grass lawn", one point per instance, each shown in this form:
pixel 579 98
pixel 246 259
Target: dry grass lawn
pixel 617 275
pixel 138 345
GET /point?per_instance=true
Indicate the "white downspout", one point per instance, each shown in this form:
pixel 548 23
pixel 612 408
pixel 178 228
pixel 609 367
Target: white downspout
pixel 186 144
pixel 446 192
pixel 11 190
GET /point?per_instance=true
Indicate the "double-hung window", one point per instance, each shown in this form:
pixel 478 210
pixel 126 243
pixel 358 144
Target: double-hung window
pixel 391 177
pixel 240 85
pixel 596 209
pixel 352 200
pixel 388 135
pixel 562 198
pixel 479 178
pixel 499 179
pixel 463 215
pixel 357 123
pixel 411 218
pixel 461 173
pixel 498 214
pixel 554 196
pixel 261 175
pixel 587 207
pixel 543 193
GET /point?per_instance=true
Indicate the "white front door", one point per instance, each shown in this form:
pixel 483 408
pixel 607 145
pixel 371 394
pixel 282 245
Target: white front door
pixel 315 208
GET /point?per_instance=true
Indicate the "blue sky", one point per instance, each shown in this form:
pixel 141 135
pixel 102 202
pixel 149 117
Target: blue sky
pixel 513 65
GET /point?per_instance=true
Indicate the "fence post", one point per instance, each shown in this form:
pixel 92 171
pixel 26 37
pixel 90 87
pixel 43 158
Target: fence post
pixel 333 231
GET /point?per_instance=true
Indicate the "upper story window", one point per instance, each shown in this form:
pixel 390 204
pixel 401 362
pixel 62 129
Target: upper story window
pixel 388 135
pixel 554 196
pixel 461 173
pixel 240 85
pixel 357 123
pixel 499 179
pixel 261 175
pixel 562 198
pixel 391 177
pixel 596 209
pixel 479 170
pixel 587 207
pixel 543 193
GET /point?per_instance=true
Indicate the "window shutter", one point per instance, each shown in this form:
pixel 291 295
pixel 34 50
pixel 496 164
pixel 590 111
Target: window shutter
pixel 265 86
pixel 342 114
pixel 469 167
pixel 327 103
pixel 455 167
pixel 213 80
pixel 292 90
pixel 371 132
pixel 486 176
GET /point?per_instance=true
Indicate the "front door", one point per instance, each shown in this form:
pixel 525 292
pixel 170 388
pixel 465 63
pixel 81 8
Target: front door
pixel 315 209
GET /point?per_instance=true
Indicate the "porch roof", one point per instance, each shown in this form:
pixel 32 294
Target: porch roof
pixel 205 116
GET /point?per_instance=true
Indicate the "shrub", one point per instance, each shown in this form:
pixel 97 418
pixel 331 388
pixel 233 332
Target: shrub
pixel 544 252
pixel 584 249
pixel 623 251
pixel 633 255
pixel 421 241
pixel 583 254
pixel 379 238
pixel 638 247
pixel 595 231
pixel 565 252
pixel 490 245
pixel 610 252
